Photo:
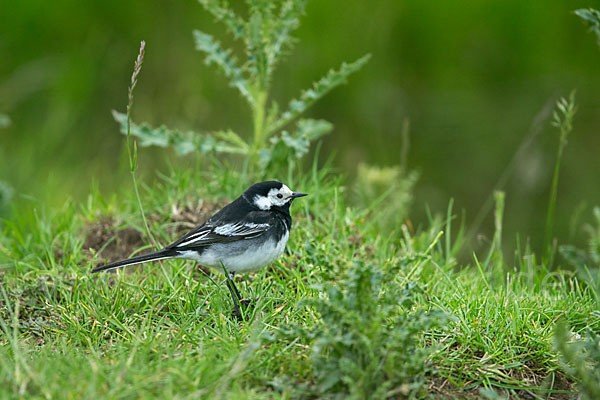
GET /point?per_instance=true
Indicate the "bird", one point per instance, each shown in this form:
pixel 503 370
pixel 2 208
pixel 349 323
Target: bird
pixel 244 236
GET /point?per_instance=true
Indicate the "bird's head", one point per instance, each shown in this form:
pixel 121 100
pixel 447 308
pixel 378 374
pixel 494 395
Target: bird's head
pixel 271 195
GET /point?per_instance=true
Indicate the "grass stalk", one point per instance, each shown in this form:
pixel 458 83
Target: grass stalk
pixel 258 117
pixel 132 154
pixel 562 118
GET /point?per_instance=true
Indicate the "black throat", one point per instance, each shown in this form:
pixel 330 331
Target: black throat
pixel 284 215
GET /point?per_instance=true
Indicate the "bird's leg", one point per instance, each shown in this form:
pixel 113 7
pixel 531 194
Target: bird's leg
pixel 235 289
pixel 246 302
pixel 235 298
pixel 235 294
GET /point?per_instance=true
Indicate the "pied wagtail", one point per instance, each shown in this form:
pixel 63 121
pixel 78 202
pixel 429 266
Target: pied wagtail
pixel 244 236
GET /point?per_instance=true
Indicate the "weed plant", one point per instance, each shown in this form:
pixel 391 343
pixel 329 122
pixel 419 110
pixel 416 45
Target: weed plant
pixel 582 358
pixel 278 137
pixel 366 341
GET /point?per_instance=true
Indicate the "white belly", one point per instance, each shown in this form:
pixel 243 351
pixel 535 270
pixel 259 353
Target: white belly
pixel 243 256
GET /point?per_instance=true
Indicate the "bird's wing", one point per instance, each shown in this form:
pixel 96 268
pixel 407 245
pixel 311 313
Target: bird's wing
pixel 253 225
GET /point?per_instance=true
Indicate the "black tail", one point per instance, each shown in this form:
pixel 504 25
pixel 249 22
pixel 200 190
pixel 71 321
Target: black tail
pixel 157 255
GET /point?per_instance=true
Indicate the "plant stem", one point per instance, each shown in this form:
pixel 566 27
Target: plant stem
pixel 498 216
pixel 258 116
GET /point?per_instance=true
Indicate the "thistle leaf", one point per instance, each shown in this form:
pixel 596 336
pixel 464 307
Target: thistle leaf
pixel 215 54
pixel 288 21
pixel 320 88
pixel 295 144
pixel 592 17
pixel 312 129
pixel 256 50
pixel 223 13
pixel 183 142
pixel 233 138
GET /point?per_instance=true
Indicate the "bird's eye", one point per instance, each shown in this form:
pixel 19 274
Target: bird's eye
pixel 280 196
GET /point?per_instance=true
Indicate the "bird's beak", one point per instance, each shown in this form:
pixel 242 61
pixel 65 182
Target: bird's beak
pixel 298 194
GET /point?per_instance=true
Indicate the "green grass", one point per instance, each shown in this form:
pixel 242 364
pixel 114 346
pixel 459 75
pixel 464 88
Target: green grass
pixel 423 325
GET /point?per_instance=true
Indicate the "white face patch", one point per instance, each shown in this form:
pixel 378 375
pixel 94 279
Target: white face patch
pixel 275 197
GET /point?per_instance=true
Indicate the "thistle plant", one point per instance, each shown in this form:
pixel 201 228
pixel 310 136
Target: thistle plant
pixel 581 358
pixel 275 135
pixel 366 343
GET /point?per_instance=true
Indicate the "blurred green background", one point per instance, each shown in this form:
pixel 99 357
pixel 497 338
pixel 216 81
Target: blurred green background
pixel 474 78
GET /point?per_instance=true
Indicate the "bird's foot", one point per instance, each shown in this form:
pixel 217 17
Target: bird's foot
pixel 248 302
pixel 244 304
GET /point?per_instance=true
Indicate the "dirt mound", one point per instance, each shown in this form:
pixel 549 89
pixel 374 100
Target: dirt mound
pixel 106 242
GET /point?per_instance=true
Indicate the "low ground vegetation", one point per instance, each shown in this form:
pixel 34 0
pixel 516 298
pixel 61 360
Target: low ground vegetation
pixel 347 312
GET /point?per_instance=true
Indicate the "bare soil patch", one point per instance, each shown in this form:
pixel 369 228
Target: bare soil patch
pixel 107 242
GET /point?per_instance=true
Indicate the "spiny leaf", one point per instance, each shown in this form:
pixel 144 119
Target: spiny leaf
pixel 365 332
pixel 257 50
pixel 307 131
pixel 263 7
pixel 582 357
pixel 288 21
pixel 592 17
pixel 223 58
pixel 233 138
pixel 295 144
pixel 222 12
pixel 313 129
pixel 183 142
pixel 320 88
